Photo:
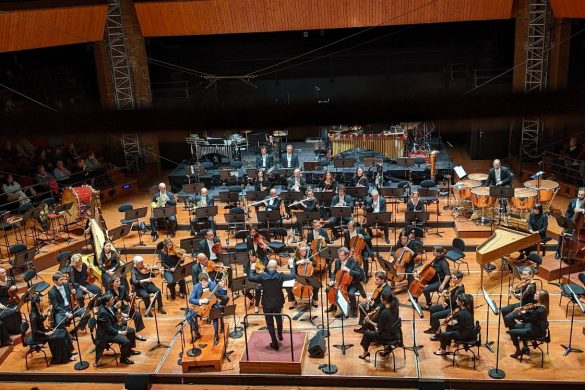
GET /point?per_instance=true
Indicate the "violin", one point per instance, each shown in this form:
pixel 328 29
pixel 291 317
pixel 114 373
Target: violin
pixel 211 266
pixel 451 316
pixel 262 242
pixel 152 270
pixel 218 249
pixel 375 296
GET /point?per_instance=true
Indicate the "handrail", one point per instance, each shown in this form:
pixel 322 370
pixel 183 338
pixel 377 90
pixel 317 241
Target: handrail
pixel 292 350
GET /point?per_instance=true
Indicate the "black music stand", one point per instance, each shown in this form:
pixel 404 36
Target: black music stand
pixel 324 197
pixel 311 282
pixel 493 308
pixel 24 259
pixel 406 163
pixel 568 228
pixel 230 198
pixel 164 212
pixel 340 212
pixel 235 220
pixel 343 305
pixel 121 232
pixel 218 313
pixel 306 217
pixel 311 165
pixel 181 272
pixel 415 308
pixel 238 286
pixel 344 162
pixel 575 299
pixel 188 244
pixel 386 265
pixel 206 212
pixel 137 214
pixel 431 195
pixel 375 219
pixel 496 372
pixel 357 192
pixel 291 196
pixel 251 173
pixel 254 196
pixel 416 217
pixel 397 195
pixel 267 216
pixel 502 193
pixel 286 172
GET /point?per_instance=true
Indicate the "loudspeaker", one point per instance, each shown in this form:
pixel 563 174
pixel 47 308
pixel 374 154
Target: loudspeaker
pixel 137 382
pixel 317 346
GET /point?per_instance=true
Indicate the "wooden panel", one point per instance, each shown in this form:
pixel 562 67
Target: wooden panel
pixel 568 8
pixel 168 18
pixel 36 28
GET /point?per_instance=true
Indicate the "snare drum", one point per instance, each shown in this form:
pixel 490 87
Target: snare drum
pixel 462 189
pixel 82 198
pixel 524 198
pixel 546 191
pixel 480 197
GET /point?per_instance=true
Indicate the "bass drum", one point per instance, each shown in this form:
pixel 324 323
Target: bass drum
pixel 82 198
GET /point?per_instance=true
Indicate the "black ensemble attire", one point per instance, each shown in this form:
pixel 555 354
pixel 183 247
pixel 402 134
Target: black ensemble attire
pixel 171 261
pixel 284 161
pixel 145 289
pixel 10 318
pixel 534 324
pixel 105 264
pixel 265 161
pixel 439 312
pixel 59 342
pixel 525 294
pixel 366 252
pixel 388 329
pixel 122 295
pixel 77 279
pixel 377 302
pixel 441 271
pixel 377 207
pixel 462 330
pixel 172 219
pixel 357 275
pixel 537 223
pixel 108 332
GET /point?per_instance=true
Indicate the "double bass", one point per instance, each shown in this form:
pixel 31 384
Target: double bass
pixel 426 274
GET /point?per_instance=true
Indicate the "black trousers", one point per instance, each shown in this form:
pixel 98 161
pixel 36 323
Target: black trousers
pixel 144 292
pixel 123 341
pixel 171 284
pixel 291 297
pixel 371 336
pixel 446 337
pixel 256 296
pixel 172 220
pixel 92 288
pixel 521 331
pixel 438 312
pixel 429 288
pixel 351 290
pixel 270 322
pixel 509 318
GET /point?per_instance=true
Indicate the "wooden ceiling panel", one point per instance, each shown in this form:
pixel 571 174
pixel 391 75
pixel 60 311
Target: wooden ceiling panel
pixel 568 8
pixel 169 18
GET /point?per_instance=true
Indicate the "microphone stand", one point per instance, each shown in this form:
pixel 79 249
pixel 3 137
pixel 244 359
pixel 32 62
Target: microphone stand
pixel 181 331
pixel 81 364
pixel 327 368
pixel 158 343
pixel 496 372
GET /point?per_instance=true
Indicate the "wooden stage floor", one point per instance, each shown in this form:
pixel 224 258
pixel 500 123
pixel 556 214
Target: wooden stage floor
pixel 163 362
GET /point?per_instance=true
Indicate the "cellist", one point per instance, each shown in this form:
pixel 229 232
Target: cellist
pixel 316 234
pixel 350 240
pixel 405 241
pixel 375 302
pixel 253 261
pixel 442 275
pixel 350 265
pixel 298 262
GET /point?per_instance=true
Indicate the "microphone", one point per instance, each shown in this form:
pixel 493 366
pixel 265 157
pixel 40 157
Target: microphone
pixel 450 145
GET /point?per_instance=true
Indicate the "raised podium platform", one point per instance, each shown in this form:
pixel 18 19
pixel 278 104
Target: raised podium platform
pixel 211 356
pixel 261 359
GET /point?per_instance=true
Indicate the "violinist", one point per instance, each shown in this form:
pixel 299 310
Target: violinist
pixel 78 277
pixel 108 261
pixel 204 286
pixel 459 324
pixel 206 245
pixel 375 302
pixel 328 184
pixel 406 240
pixel 532 322
pixel 349 236
pixel 350 265
pixel 442 275
pixel 258 244
pixel 10 318
pixel 143 285
pixel 60 296
pixel 59 340
pixel 537 223
pixel 340 200
pixel 264 161
pixel 524 292
pixel 171 258
pixel 300 258
pixel 442 310
pixel 388 327
pixel 254 299
pixel 123 302
pixel 201 200
pixel 377 204
pixel 359 179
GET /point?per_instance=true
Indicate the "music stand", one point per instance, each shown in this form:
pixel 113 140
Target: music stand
pixel 340 212
pixel 267 216
pixel 229 197
pixel 24 258
pixel 357 192
pixel 137 214
pixel 343 305
pixel 416 217
pixel 494 309
pixel 375 219
pixel 575 299
pixel 568 227
pixel 406 163
pixel 291 196
pixel 253 196
pixel 501 193
pixel 311 282
pixel 286 172
pixel 344 163
pixel 121 232
pixel 397 195
pixel 218 313
pixel 164 212
pixel 415 308
pixel 311 166
pixel 324 197
pixel 206 212
pixel 251 173
pixel 238 286
pixel 386 265
pixel 496 372
pixel 306 217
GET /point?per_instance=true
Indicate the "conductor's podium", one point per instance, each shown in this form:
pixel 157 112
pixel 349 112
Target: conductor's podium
pixel 211 356
pixel 259 358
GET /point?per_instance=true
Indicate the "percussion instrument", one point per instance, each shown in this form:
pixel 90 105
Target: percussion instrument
pixel 391 145
pixel 433 161
pixel 481 199
pixel 462 189
pixel 524 199
pixel 478 176
pixel 547 190
pixel 82 198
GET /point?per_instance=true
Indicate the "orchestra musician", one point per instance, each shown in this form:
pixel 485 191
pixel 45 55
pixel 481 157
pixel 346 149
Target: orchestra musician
pixel 574 207
pixel 109 331
pixel 201 200
pixel 261 183
pixel 351 266
pixel 460 324
pixel 388 326
pixel 171 258
pixel 375 303
pixel 108 261
pixel 307 204
pixel 196 298
pixel 301 257
pixel 58 339
pixel 206 245
pixel 272 201
pixel 122 301
pixel 60 300
pixel 264 160
pixel 10 318
pixel 442 310
pixel 532 322
pixel 359 179
pixel 415 204
pixel 524 292
pixel 78 279
pixel 328 183
pixel 537 223
pixel 289 159
pixel 377 204
pixel 163 198
pixel 406 240
pixel 199 267
pixel 316 232
pixel 340 200
pixel 356 231
pixel 257 244
pixel 442 275
pixel 273 298
pixel 143 285
pixel 499 175
pixel 296 182
pixel 254 299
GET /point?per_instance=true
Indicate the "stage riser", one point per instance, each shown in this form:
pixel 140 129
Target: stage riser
pixel 549 270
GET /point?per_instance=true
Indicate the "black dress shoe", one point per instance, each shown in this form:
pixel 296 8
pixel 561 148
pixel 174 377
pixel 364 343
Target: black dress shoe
pixel 557 255
pixel 215 340
pixel 126 361
pixel 360 330
pixel 387 240
pixel 331 308
pixel 196 336
pixel 430 331
pixel 154 237
pixel 280 338
pixel 134 353
pixel 150 314
pixel 140 338
pixel 275 347
pixel 162 311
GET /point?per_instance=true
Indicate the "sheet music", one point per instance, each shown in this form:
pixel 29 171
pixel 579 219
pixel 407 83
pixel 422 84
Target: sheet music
pixel 460 171
pixel 288 283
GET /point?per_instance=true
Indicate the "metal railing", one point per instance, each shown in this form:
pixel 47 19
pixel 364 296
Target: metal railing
pixel 565 168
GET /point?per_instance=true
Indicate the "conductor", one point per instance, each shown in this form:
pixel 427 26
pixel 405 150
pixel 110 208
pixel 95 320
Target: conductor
pixel 273 298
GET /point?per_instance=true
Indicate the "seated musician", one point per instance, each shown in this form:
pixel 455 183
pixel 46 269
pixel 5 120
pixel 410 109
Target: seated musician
pixel 537 223
pixel 415 204
pixel 10 318
pixel 206 245
pixel 201 200
pixel 340 200
pixel 261 183
pixel 349 234
pixel 253 262
pixel 524 292
pixel 499 175
pixel 359 179
pixel 317 232
pixel 300 258
pixel 171 258
pixel 122 301
pixel 307 204
pixel 388 326
pixel 576 205
pixel 442 310
pixel 531 322
pixel 144 286
pixel 264 160
pixel 442 275
pixel 196 298
pixel 374 303
pixel 272 201
pixel 110 331
pixel 328 183
pixel 407 241
pixel 460 324
pixel 199 267
pixel 108 261
pixel 289 159
pixel 60 300
pixel 58 339
pixel 350 265
pixel 295 183
pixel 377 204
pixel 163 198
pixel 78 277
pixel 257 244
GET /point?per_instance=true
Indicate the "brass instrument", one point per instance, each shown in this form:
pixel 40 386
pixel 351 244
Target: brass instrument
pixel 200 203
pixel 160 201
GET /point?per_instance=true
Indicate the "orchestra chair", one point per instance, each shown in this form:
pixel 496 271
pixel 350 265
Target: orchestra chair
pixel 12 252
pixel 536 343
pixel 241 246
pixel 535 258
pixel 40 286
pixel 279 248
pixel 457 254
pixel 27 215
pixel 63 259
pixel 92 324
pixel 32 345
pixel 428 184
pixel 389 347
pixel 122 209
pixel 7 225
pixel 577 289
pixel 467 345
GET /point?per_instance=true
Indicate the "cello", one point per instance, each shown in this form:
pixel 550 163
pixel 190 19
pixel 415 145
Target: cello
pixel 356 248
pixel 402 257
pixel 342 281
pixel 317 246
pixel 426 274
pixel 305 269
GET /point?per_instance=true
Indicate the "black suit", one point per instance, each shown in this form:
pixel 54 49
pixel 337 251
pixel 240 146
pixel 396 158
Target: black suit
pixel 258 250
pixel 369 205
pixel 204 247
pixel 420 206
pixel 505 177
pixel 463 330
pixel 274 206
pixel 172 219
pixel 272 299
pixel 267 165
pixel 570 213
pixel 365 252
pixel 357 275
pixel 107 332
pixel 294 161
pixel 290 182
pixel 60 309
pixel 322 233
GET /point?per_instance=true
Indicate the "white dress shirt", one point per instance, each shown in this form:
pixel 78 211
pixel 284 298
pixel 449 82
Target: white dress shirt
pixel 61 289
pixel 212 255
